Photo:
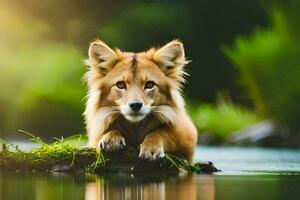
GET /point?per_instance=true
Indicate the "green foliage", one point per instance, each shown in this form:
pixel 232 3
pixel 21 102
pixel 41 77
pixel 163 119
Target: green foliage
pixel 143 19
pixel 40 84
pixel 223 119
pixel 42 45
pixel 269 65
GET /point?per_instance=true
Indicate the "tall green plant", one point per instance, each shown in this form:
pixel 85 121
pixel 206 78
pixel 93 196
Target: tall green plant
pixel 269 65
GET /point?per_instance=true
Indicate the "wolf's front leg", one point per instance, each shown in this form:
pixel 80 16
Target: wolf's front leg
pixel 93 140
pixel 154 145
pixel 112 141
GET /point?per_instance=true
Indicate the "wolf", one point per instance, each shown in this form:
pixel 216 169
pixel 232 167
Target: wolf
pixel 136 99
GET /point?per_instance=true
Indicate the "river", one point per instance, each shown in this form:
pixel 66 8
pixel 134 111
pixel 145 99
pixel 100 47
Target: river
pixel 247 173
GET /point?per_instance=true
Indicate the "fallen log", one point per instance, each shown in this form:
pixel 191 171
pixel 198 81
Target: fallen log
pixel 66 158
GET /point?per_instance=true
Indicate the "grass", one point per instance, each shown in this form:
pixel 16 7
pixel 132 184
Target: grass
pixel 46 156
pixel 61 156
pixel 223 119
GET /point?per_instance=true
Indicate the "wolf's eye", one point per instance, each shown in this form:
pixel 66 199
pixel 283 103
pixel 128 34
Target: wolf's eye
pixel 121 85
pixel 149 85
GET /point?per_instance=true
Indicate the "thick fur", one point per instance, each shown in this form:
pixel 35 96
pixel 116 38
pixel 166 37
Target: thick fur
pixel 162 124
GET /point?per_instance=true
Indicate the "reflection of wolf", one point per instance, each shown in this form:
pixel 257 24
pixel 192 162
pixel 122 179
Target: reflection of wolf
pixel 134 98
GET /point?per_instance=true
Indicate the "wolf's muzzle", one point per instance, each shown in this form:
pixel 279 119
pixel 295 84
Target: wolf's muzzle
pixel 135 105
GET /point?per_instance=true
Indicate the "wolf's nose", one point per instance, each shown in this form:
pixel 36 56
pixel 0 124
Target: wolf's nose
pixel 135 105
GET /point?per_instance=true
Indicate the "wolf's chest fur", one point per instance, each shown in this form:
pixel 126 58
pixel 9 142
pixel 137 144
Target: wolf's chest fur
pixel 135 133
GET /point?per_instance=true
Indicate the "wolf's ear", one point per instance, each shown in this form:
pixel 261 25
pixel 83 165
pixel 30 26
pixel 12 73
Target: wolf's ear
pixel 101 57
pixel 171 60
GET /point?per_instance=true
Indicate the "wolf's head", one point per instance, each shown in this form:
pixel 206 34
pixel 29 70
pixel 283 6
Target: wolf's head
pixel 137 84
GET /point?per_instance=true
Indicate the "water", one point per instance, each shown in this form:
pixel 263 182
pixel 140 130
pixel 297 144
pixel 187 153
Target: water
pixel 252 160
pixel 248 173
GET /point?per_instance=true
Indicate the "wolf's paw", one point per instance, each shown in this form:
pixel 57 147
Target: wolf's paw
pixel 151 151
pixel 112 141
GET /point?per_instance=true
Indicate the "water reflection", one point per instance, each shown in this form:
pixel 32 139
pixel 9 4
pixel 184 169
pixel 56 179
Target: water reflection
pixel 237 187
pixel 250 173
pixel 184 187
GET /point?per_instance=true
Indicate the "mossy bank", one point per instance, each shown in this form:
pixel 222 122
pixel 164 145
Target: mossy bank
pixel 61 156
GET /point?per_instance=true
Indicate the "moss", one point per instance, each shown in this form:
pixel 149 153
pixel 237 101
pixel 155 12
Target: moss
pixel 61 156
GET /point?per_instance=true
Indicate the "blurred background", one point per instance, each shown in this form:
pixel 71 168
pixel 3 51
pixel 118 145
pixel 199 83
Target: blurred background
pixel 245 75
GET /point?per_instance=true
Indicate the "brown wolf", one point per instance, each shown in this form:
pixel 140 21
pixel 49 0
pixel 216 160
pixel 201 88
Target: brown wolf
pixel 135 99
